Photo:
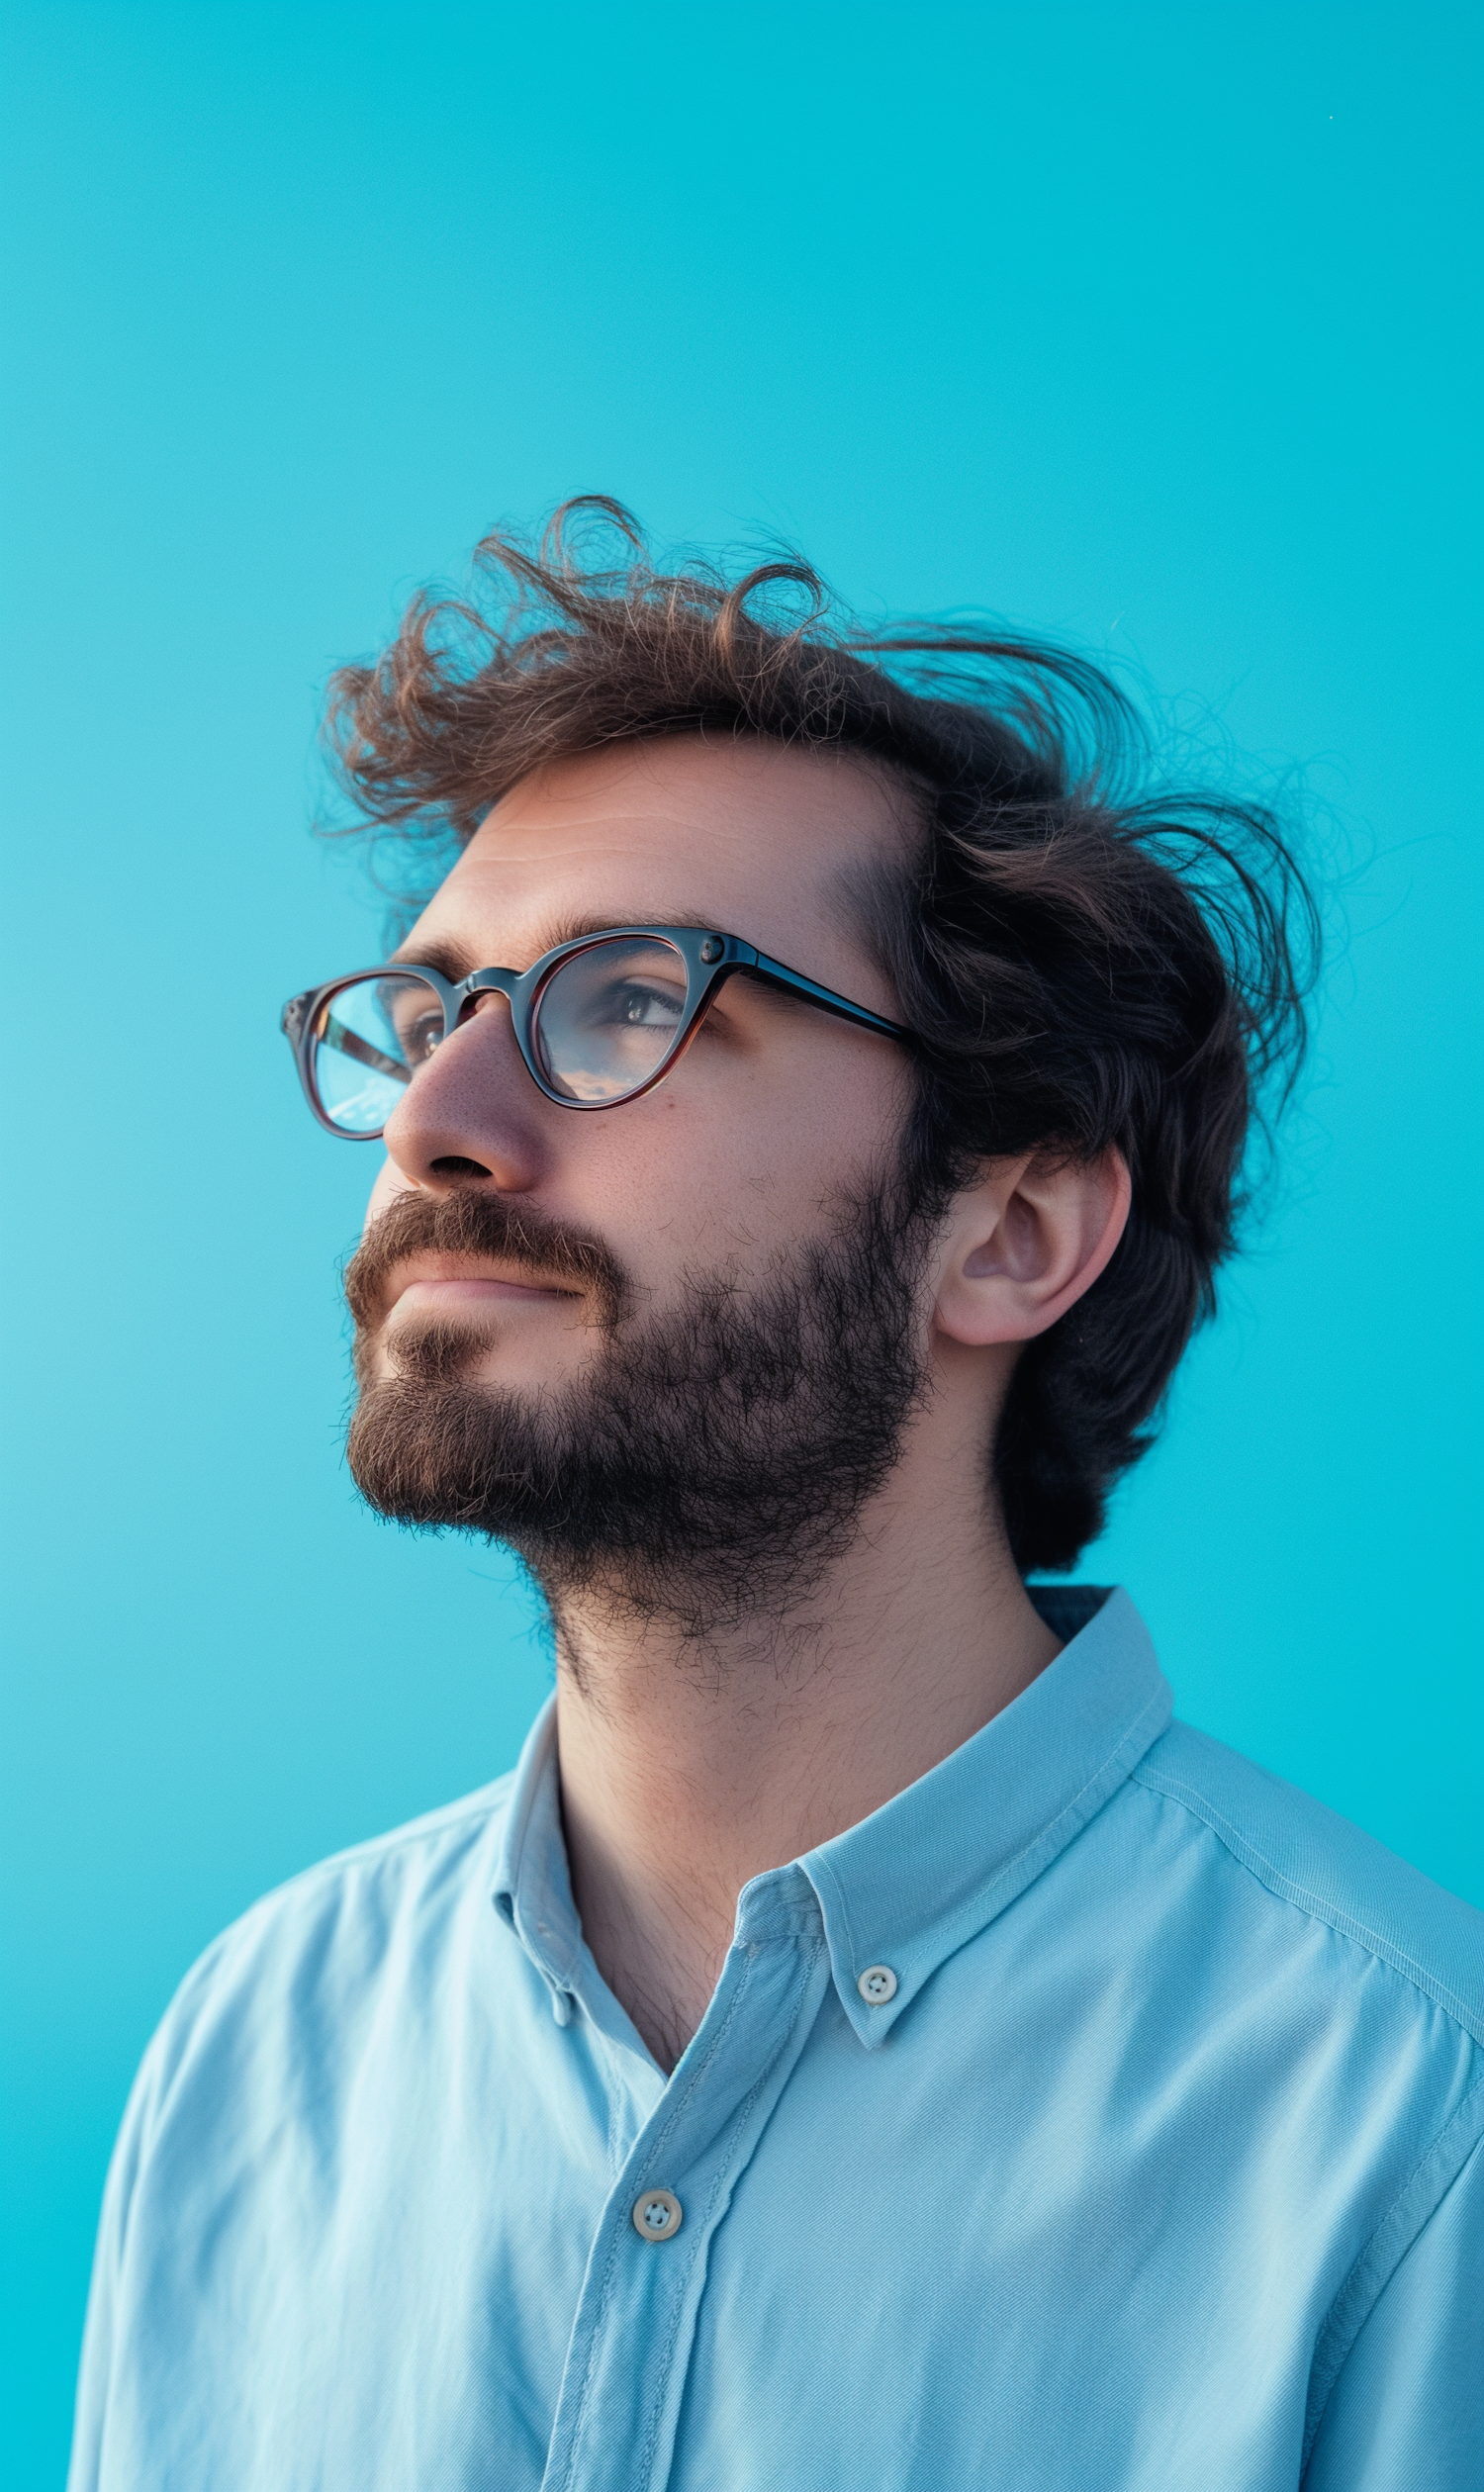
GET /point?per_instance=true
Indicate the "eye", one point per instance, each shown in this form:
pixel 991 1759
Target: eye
pixel 419 1029
pixel 641 1007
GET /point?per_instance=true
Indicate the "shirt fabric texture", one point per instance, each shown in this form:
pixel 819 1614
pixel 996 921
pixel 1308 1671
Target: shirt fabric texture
pixel 1159 2167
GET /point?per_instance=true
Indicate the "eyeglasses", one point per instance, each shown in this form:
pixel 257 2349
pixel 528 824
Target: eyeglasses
pixel 598 1021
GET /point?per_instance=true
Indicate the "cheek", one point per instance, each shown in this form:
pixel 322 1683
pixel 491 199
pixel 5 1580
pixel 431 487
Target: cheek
pixel 687 1183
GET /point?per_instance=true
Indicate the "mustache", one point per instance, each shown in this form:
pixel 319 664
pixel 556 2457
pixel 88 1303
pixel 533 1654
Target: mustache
pixel 477 1222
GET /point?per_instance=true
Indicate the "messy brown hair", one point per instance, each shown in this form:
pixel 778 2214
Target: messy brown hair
pixel 1086 960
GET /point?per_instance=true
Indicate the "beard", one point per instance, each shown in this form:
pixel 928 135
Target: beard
pixel 710 1461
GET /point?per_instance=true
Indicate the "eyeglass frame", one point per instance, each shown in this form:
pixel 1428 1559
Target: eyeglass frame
pixel 710 958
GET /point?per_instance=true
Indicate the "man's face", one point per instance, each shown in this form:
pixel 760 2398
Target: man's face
pixel 624 1273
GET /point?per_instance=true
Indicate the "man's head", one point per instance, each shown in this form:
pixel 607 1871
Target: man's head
pixel 684 1336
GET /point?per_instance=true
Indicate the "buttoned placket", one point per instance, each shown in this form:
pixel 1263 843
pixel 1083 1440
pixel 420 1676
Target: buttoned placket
pixel 631 2340
pixel 872 1913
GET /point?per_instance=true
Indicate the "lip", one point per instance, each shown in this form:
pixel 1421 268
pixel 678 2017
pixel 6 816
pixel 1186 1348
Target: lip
pixel 443 1282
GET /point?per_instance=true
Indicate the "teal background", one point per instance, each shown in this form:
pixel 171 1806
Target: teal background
pixel 1153 326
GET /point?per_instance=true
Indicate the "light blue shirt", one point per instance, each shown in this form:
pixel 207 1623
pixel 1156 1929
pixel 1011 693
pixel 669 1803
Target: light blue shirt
pixel 1100 2113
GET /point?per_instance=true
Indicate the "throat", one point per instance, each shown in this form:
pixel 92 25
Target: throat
pixel 686 1771
pixel 660 1951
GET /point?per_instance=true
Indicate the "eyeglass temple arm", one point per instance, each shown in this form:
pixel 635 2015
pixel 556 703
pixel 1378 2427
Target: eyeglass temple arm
pixel 793 983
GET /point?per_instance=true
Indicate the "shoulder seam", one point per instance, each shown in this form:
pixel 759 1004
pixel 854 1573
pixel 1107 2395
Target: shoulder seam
pixel 401 1838
pixel 238 1931
pixel 376 1846
pixel 1304 1900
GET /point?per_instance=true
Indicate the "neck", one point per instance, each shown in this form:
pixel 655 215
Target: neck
pixel 690 1766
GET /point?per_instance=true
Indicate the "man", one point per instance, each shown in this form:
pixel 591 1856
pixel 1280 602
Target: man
pixel 864 2043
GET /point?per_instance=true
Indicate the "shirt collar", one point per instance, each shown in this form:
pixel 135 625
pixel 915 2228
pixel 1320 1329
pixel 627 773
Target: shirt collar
pixel 919 1877
pixel 532 1892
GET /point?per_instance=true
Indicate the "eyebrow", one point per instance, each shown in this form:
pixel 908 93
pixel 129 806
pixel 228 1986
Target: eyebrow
pixel 454 960
pixel 436 953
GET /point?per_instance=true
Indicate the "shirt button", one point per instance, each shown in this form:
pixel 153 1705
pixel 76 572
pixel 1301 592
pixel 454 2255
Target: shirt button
pixel 657 2215
pixel 877 1984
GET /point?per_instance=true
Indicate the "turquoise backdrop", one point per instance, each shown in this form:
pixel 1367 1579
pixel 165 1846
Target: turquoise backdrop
pixel 1151 325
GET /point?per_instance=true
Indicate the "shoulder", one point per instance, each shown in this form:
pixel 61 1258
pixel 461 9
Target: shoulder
pixel 1317 1865
pixel 315 1952
pixel 411 1861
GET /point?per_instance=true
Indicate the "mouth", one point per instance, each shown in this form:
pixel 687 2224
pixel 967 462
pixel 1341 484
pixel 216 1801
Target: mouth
pixel 440 1284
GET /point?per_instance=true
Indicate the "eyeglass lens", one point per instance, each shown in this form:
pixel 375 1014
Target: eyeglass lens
pixel 609 1017
pixel 605 1021
pixel 369 1039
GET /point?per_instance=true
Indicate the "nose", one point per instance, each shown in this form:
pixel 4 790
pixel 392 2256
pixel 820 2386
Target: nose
pixel 472 1115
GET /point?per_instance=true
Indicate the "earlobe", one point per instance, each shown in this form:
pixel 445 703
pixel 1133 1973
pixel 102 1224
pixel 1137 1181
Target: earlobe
pixel 1026 1243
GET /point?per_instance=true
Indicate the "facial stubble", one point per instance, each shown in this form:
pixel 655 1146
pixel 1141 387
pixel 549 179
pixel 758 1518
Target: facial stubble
pixel 710 1460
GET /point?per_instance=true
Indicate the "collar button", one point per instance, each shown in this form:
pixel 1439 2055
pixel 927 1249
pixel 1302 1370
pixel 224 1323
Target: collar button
pixel 877 1984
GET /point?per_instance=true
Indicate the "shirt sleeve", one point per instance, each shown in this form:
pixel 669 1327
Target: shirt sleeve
pixel 1406 2413
pixel 95 2377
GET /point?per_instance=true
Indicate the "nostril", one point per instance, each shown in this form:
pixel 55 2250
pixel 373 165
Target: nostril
pixel 453 1167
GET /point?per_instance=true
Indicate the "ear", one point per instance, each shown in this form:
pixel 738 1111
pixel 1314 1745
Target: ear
pixel 1023 1245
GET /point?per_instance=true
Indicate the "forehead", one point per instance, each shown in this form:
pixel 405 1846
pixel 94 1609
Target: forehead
pixel 755 838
